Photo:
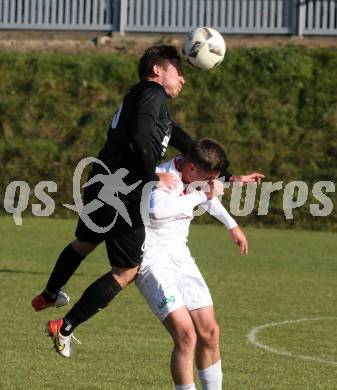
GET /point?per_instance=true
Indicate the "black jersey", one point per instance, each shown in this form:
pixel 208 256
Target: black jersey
pixel 140 132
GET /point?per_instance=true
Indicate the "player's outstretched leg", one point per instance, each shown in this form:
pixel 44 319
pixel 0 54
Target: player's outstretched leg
pixel 67 263
pixel 40 303
pixel 62 344
pixel 208 350
pixel 95 298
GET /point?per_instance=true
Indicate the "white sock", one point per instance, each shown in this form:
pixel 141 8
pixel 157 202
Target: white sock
pixel 191 386
pixel 211 377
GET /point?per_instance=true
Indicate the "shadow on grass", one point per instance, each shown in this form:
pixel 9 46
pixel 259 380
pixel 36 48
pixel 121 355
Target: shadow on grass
pixel 16 271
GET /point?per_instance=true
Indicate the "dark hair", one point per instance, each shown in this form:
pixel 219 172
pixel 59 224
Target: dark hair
pixel 156 55
pixel 208 155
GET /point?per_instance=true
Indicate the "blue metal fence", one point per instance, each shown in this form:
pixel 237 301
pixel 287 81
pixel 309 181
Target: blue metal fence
pixel 228 16
pixel 318 17
pixel 100 15
pixel 307 17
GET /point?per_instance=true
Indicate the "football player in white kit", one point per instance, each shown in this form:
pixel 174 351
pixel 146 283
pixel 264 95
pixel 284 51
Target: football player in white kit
pixel 169 278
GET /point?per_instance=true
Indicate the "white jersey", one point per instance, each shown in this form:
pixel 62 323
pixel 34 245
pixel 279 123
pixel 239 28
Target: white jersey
pixel 171 212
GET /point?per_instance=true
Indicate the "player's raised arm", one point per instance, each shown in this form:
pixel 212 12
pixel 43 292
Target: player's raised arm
pixel 165 201
pixel 164 205
pixel 254 177
pixel 215 208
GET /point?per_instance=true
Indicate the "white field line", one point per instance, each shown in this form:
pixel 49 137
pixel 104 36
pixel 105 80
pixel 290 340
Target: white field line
pixel 252 338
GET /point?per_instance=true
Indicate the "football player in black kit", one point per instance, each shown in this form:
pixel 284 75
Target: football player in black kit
pixel 138 137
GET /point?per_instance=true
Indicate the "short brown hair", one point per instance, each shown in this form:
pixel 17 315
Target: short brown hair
pixel 208 155
pixel 156 55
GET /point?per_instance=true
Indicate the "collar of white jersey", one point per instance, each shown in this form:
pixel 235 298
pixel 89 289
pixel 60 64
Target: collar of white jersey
pixel 175 163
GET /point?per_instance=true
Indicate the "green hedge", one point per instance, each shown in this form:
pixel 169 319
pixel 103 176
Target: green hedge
pixel 274 110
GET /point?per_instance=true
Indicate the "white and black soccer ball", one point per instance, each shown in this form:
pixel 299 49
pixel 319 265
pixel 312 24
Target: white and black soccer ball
pixel 204 48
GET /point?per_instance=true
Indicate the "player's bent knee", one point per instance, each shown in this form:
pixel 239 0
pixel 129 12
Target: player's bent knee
pixel 124 276
pixel 186 339
pixel 210 336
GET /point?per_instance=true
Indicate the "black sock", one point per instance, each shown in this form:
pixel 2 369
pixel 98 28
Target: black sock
pixel 66 265
pixel 96 297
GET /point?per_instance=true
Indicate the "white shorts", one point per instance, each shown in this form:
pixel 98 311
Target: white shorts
pixel 170 284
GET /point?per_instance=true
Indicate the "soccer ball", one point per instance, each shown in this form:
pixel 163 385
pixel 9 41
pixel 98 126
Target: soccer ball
pixel 204 48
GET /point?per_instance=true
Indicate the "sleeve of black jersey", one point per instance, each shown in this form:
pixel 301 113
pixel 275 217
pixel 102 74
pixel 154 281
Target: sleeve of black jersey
pixel 146 115
pixel 180 140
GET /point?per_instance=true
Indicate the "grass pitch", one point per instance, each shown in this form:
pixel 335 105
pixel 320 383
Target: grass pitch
pixel 288 275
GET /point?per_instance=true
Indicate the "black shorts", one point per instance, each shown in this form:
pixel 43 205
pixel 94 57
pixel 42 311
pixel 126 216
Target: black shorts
pixel 124 243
